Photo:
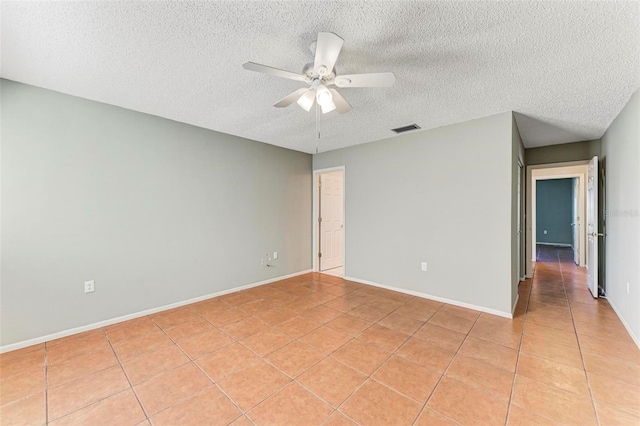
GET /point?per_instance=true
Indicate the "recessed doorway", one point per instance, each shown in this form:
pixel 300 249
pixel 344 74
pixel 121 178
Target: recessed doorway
pixel 328 221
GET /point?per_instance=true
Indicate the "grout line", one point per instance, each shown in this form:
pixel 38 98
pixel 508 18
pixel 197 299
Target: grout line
pixel 584 368
pixel 435 388
pixel 524 323
pixel 144 411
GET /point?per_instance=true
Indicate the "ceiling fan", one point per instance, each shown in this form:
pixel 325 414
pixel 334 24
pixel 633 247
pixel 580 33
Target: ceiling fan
pixel 321 75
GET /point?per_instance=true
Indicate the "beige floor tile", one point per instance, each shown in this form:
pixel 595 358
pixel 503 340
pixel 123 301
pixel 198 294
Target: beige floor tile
pixel 79 393
pixel 426 354
pixel 153 364
pixel 325 339
pixel 297 326
pixel 189 330
pixel 135 347
pixel 489 352
pixel 294 358
pixel 485 377
pixel 361 356
pixel 521 417
pixel 290 406
pixel 467 405
pixel 614 393
pixel 254 384
pixel 120 409
pixel 559 353
pixel 429 417
pixel 552 402
pixel 407 378
pixel 76 347
pixel 226 316
pixel 205 343
pixel 208 407
pixel 612 367
pixel 444 337
pixel 21 363
pixel 554 373
pixel 79 366
pixel 376 404
pixel 450 321
pixel 402 324
pixel 609 416
pixel 384 338
pixel 349 324
pixel 275 315
pixel 331 380
pixel 20 386
pixel 266 341
pixel 171 387
pixel 30 411
pixel 226 361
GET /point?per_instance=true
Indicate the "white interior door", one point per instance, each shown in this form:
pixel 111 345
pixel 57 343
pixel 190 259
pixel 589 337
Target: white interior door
pixel 576 221
pixel 592 226
pixel 331 224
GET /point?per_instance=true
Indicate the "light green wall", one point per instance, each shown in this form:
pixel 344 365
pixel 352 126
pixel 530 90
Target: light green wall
pixel 554 211
pixel 441 196
pixel 517 253
pixel 621 159
pixel 154 211
pixel 565 152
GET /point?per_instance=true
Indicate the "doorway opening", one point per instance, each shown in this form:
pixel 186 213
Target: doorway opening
pixel 573 220
pixel 329 221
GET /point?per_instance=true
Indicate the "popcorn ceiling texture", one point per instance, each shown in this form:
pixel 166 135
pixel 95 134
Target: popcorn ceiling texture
pixel 565 68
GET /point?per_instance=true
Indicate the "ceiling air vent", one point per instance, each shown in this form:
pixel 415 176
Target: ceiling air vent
pixel 408 128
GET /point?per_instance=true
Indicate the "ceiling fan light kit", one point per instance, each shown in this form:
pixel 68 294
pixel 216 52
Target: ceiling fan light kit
pixel 320 76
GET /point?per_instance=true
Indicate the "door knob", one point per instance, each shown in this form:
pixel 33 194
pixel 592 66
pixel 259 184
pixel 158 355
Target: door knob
pixel 596 234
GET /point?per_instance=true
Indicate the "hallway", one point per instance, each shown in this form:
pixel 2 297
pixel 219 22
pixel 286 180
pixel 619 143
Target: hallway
pixel 577 363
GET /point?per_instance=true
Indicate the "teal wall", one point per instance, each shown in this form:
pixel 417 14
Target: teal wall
pixel 554 211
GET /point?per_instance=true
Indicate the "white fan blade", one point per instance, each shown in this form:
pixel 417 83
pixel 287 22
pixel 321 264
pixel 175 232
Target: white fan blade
pixel 327 50
pixel 306 100
pixel 381 79
pixel 328 107
pixel 342 105
pixel 252 66
pixel 285 102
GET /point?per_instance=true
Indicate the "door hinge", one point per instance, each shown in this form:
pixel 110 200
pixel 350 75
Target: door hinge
pixel 319 183
pixel 319 254
pixel 319 220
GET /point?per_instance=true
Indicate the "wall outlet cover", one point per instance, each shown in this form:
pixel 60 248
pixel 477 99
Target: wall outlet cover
pixel 89 286
pixel 424 266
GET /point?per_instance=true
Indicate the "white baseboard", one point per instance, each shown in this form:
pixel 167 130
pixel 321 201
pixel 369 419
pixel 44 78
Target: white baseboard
pixel 633 336
pixel 554 244
pixel 100 324
pixel 436 298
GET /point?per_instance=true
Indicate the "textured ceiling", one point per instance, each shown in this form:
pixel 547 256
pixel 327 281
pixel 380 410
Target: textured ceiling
pixel 566 68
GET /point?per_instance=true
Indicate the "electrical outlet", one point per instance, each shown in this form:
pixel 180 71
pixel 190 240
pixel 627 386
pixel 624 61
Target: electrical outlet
pixel 89 286
pixel 275 255
pixel 424 266
pixel 627 287
pixel 261 262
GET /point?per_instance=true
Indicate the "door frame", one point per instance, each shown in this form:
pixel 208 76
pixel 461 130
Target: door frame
pixel 530 216
pixel 315 214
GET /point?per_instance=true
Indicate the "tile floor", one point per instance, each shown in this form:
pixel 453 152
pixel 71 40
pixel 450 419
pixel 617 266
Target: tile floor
pixel 320 350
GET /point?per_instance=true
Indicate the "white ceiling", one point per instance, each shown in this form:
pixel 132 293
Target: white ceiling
pixel 566 68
